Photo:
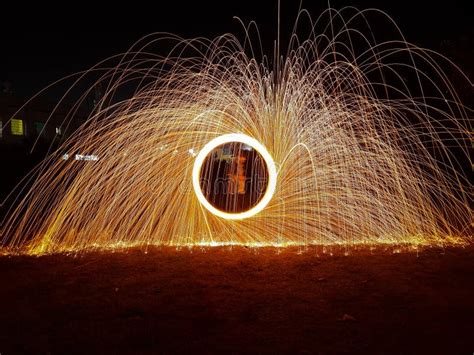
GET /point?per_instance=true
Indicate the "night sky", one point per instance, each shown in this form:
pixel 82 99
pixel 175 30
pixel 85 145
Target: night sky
pixel 43 45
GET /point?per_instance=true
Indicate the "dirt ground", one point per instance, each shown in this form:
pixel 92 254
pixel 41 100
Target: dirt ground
pixel 239 300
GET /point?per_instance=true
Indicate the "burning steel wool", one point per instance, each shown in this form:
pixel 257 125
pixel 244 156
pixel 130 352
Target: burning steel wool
pixel 220 145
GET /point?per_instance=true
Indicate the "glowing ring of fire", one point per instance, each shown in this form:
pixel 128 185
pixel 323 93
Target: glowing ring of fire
pixel 230 138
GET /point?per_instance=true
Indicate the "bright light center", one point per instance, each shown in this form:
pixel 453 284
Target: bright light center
pixel 232 168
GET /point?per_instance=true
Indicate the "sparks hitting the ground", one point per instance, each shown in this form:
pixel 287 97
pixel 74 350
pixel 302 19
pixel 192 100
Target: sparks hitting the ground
pixel 347 151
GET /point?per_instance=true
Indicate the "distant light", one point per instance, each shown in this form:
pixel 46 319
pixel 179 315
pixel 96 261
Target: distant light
pixel 86 157
pixel 17 127
pixel 192 152
pixel 65 156
pixel 39 127
pixel 59 131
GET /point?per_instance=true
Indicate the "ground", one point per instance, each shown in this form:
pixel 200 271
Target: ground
pixel 369 300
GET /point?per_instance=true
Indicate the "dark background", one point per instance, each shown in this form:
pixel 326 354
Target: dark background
pixel 40 45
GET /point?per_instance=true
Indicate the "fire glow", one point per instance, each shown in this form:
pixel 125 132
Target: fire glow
pixel 241 138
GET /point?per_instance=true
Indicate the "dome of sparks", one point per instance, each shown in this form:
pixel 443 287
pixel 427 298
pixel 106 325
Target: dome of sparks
pixel 220 145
